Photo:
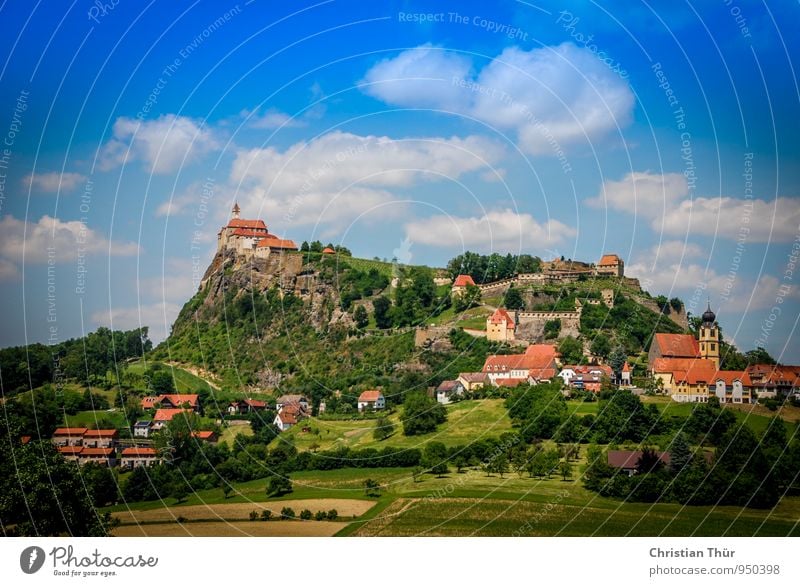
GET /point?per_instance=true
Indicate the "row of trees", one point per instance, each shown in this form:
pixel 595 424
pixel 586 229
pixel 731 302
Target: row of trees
pixel 487 268
pixel 86 360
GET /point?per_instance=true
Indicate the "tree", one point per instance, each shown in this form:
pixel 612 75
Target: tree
pixel 360 317
pixel 617 359
pixel 680 453
pixel 227 489
pixel 566 470
pixel 384 428
pixel 372 487
pixel 416 472
pixel 179 491
pixel 469 297
pixel 513 300
pixel 287 513
pixel 305 515
pixel 266 515
pixel 304 246
pixel 552 328
pixel 649 461
pixel 421 414
pixel 381 306
pixel 759 356
pixel 434 458
pixel 499 464
pixel 601 346
pixel 571 350
pixel 279 486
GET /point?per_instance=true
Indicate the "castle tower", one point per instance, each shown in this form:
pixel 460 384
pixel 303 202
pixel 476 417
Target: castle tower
pixel 709 337
pixel 235 211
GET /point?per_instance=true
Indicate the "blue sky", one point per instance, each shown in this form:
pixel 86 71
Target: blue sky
pixel 667 135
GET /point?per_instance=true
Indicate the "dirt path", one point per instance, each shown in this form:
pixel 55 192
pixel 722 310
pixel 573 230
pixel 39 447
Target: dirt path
pixel 375 527
pixel 233 529
pixel 198 372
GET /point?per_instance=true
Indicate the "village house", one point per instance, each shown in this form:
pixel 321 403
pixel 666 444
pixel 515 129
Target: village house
pixel 731 386
pixel 773 380
pixel 164 416
pixel 610 265
pixel 628 460
pixel 100 456
pixel 500 326
pixel 371 401
pixel 135 457
pixel 537 364
pixel 142 429
pixel 68 436
pixel 447 390
pixel 100 438
pixel 460 284
pixel 288 416
pixel 685 346
pixel 625 375
pixel 585 377
pixel 473 381
pixel 173 401
pixel 245 406
pixel 70 453
pixel 284 400
pixel 206 436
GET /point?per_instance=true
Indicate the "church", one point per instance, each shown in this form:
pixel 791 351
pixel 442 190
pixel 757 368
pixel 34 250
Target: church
pixel 688 367
pixel 250 237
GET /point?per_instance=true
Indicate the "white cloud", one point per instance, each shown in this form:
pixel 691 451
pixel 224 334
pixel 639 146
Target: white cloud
pixel 178 282
pixel 339 176
pixel 497 230
pixel 52 181
pixel 663 199
pixel 551 97
pixel 756 220
pixel 67 239
pixel 270 119
pixel 164 144
pixel 158 316
pixel 646 194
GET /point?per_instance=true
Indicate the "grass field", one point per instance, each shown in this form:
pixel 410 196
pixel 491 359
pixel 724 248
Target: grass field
pixel 470 503
pixel 185 381
pixel 466 421
pixel 115 419
pixel 233 529
pixel 231 431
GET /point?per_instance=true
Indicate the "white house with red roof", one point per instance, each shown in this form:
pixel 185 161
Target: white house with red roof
pixel 626 374
pixel 371 401
pixel 537 364
pixel 135 457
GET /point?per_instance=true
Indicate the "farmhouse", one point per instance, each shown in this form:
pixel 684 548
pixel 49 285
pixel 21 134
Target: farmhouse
pixel 284 400
pixel 70 453
pixel 100 456
pixel 135 457
pixel 473 381
pixel 371 401
pixel 245 406
pixel 771 380
pixel 164 416
pixel 449 389
pixel 206 436
pixel 585 377
pixel 174 401
pixel 288 416
pixel 628 460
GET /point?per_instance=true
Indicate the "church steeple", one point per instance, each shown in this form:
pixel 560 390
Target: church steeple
pixel 709 336
pixel 235 211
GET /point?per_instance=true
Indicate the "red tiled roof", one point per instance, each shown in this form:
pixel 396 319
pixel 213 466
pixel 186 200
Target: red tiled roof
pixel 139 452
pixel 673 364
pixel 608 259
pixel 251 224
pixel 181 399
pixel 677 345
pixel 369 396
pixel 248 233
pixel 287 417
pixel 590 369
pixel 625 367
pixel 448 385
pixel 696 373
pixel 150 402
pixel 25 439
pixel 278 243
pixel 473 377
pixel 732 375
pixel 328 250
pixel 541 350
pixel 463 281
pixel 106 452
pixel 256 404
pixel 501 316
pixel 204 435
pixel 167 414
pixel 69 431
pixel 542 373
pixel 70 450
pixel 90 433
pixel 510 382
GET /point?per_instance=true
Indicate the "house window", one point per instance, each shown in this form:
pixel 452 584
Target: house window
pixel 713 347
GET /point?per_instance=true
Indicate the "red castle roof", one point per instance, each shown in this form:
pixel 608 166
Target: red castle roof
pixel 463 281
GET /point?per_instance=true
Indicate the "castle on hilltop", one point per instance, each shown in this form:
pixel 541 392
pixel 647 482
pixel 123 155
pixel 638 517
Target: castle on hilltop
pixel 250 237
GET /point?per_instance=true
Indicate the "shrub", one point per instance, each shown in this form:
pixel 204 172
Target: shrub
pixel 333 514
pixel 305 515
pixel 320 516
pixel 254 515
pixel 287 513
pixel 266 515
